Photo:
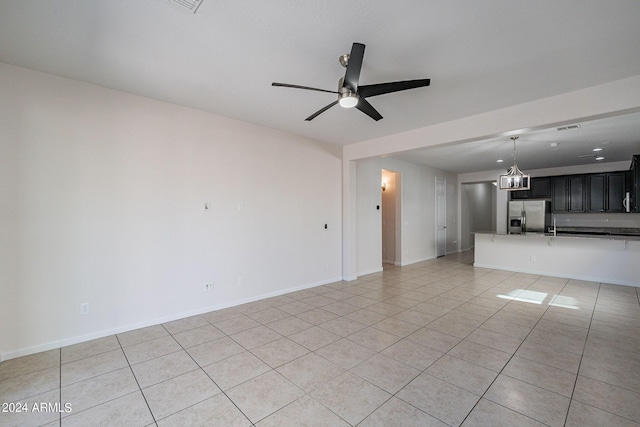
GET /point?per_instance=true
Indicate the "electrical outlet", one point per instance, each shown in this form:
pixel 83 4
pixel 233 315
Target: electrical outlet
pixel 84 308
pixel 532 258
pixel 240 280
pixel 208 287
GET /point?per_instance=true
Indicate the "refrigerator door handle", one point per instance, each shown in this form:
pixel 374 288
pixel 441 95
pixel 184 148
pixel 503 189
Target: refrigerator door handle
pixel 626 204
pixel 523 226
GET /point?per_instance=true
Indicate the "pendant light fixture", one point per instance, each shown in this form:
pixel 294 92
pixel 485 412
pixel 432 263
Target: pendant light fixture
pixel 514 179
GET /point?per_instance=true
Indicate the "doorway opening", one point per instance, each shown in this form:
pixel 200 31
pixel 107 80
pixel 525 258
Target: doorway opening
pixel 391 219
pixel 478 207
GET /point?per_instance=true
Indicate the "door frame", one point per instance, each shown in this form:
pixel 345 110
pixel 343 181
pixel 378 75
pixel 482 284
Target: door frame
pixel 440 207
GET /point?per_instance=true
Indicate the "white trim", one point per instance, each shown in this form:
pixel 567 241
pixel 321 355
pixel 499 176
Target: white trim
pixel 375 270
pixel 415 261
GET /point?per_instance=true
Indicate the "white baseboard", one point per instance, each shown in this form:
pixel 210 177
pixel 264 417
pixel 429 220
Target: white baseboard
pixel 364 273
pixel 156 321
pixel 415 261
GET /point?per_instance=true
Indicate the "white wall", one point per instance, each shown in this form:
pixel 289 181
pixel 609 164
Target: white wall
pixel 418 239
pixel 102 201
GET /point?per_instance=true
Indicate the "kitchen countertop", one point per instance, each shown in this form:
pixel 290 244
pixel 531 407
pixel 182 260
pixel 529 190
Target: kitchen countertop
pixel 571 235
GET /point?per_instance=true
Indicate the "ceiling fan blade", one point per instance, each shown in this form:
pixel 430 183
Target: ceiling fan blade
pixel 302 87
pixel 382 88
pixel 352 75
pixel 320 111
pixel 364 106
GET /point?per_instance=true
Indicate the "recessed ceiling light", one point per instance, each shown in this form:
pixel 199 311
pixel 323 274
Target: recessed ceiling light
pixel 597 149
pixel 553 145
pixel 600 158
pixel 499 161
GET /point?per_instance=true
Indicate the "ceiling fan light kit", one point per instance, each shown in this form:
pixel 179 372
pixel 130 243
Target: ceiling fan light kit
pixel 348 100
pixel 350 93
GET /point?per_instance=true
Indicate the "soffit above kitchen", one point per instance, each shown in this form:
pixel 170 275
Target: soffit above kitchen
pixel 604 140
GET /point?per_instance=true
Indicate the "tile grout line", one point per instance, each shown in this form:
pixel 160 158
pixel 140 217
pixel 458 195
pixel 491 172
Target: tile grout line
pixel 137 382
pixel 511 357
pixel 575 383
pixel 60 388
pixel 423 371
pixel 208 376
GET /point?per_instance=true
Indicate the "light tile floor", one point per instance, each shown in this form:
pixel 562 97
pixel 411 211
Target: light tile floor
pixel 439 343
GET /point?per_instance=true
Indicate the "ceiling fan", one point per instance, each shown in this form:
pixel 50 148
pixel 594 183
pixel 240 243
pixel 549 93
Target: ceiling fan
pixel 350 94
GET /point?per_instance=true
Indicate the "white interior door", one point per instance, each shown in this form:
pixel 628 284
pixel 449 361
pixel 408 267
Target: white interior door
pixel 441 216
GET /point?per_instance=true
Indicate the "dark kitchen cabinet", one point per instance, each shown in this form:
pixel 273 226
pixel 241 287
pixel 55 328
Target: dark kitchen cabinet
pixel 615 191
pixel 596 190
pixel 634 183
pixel 541 188
pixel 568 193
pixel 560 187
pixel 520 194
pixel 576 193
pixel 605 192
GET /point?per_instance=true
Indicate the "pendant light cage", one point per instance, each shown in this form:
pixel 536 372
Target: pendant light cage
pixel 514 179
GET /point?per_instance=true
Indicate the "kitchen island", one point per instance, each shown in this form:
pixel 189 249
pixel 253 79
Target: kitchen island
pixel 597 258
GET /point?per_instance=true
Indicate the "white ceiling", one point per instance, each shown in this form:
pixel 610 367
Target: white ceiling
pixel 480 56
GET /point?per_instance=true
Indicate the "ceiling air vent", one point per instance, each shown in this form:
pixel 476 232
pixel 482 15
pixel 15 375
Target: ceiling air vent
pixel 569 127
pixel 190 5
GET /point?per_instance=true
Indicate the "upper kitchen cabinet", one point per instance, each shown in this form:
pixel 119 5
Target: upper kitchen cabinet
pixel 596 188
pixel 576 193
pixel 568 193
pixel 605 192
pixel 634 183
pixel 596 192
pixel 616 189
pixel 560 186
pixel 540 188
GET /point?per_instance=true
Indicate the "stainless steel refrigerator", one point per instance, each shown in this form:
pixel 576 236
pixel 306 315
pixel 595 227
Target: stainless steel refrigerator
pixel 529 216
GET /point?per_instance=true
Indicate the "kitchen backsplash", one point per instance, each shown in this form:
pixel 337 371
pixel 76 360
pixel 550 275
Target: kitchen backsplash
pixel 617 220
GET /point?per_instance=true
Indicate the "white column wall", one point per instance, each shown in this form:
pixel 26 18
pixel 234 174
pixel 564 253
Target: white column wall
pixel 417 199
